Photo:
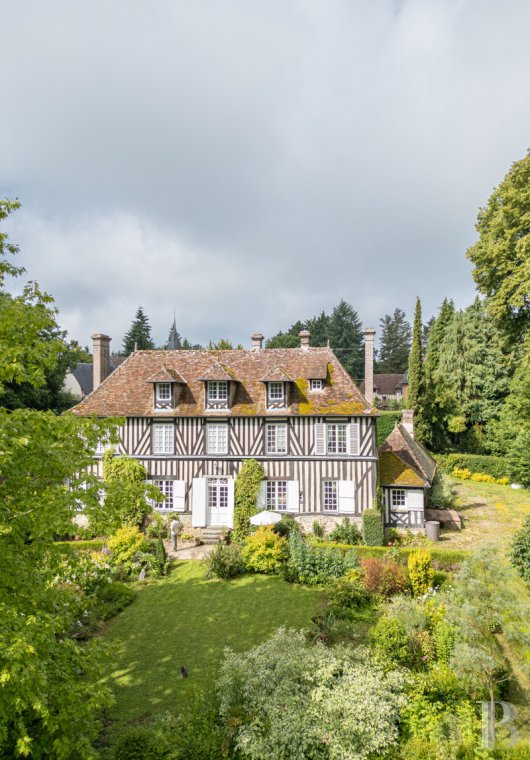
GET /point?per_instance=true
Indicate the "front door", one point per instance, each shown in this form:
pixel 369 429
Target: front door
pixel 217 501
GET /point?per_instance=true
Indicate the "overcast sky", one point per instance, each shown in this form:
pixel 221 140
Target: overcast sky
pixel 252 162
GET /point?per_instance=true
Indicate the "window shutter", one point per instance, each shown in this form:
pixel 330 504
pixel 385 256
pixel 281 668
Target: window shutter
pixel 198 512
pixel 261 498
pixel 353 439
pixel 320 439
pixel 414 498
pixel 179 495
pixel 231 484
pixel 347 496
pixel 293 495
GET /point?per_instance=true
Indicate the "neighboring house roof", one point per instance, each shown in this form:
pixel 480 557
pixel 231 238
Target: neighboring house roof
pixel 84 375
pixel 126 393
pixel 386 385
pixel 405 379
pixel 404 461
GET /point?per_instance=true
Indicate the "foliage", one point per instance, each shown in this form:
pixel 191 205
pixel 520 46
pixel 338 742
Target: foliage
pixel 225 561
pixel 346 533
pixel 421 573
pixel 494 466
pixel 126 492
pixel 156 525
pixel 478 477
pixel 385 424
pixel 132 555
pixel 520 551
pixel 264 551
pixel 315 692
pixel 194 734
pixel 138 334
pixel 286 526
pixel 161 556
pixel 416 397
pixel 442 558
pixel 518 458
pixel 373 529
pixel 383 577
pixel 441 494
pixel 313 564
pixel 112 598
pixel 395 340
pixel 317 529
pixel 349 591
pixel 247 487
pixel 501 254
pixel 139 743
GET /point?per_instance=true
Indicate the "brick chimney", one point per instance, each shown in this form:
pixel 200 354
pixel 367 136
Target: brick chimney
pixel 257 341
pixel 407 420
pixel 101 358
pixel 304 336
pixel 369 334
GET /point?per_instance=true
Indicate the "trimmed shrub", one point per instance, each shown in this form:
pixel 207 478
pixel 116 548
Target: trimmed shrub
pixel 520 551
pixel 443 559
pixel 346 533
pixel 421 573
pixel 161 556
pixel 494 466
pixel 224 562
pixel 391 641
pixel 373 529
pixel 138 744
pixel 383 577
pixel 264 551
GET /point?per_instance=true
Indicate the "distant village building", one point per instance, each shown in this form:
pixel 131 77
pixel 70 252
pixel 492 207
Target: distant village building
pixel 80 381
pixel 387 388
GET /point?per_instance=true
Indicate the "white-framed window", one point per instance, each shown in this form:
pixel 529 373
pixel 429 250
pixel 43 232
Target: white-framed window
pixel 163 392
pixel 163 438
pixel 275 393
pixel 218 493
pixel 166 487
pixel 316 385
pixel 277 495
pixel 337 438
pixel 217 438
pixel 330 495
pixel 217 390
pixel 276 438
pixel 398 498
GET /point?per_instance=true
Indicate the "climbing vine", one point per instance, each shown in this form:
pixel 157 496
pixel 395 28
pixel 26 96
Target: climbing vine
pixel 246 492
pixel 127 493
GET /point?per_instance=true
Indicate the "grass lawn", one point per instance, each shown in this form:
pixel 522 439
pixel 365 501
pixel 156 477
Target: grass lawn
pixel 186 620
pixel 491 513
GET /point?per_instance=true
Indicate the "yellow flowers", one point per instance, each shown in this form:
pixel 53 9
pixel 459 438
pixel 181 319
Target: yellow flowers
pixel 478 477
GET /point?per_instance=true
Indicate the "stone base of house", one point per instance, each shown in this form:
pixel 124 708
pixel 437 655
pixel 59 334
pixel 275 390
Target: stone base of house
pixel 327 521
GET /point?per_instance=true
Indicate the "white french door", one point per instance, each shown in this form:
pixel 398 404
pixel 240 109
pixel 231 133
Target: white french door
pixel 217 500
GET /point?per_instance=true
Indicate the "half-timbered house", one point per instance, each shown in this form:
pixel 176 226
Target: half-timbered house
pixel 193 417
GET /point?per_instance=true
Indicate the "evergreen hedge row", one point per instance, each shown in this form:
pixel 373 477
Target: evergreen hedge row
pixel 373 528
pixel 442 558
pixel 495 466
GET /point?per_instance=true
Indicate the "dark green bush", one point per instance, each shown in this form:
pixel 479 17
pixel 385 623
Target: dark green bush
pixel 224 562
pixel 373 529
pixel 286 526
pixel 349 591
pixel 139 744
pixel 112 598
pixel 317 529
pixel 346 533
pixel 312 564
pixel 494 466
pixel 520 550
pixel 161 556
pixel 441 494
pixel 385 424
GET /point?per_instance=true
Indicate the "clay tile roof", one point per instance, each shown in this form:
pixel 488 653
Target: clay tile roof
pixel 217 372
pixel 413 455
pixel 386 385
pixel 126 393
pixel 317 370
pixel 165 375
pixel 276 374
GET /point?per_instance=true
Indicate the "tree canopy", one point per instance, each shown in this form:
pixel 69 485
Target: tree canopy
pixel 396 334
pixel 139 334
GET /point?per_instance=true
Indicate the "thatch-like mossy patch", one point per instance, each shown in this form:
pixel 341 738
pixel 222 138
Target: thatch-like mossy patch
pixel 393 471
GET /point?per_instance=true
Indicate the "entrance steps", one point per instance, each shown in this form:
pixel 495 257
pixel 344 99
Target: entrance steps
pixel 212 534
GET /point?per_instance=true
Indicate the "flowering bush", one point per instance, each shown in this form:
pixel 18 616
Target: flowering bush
pixel 383 577
pixel 479 477
pixel 264 551
pixel 132 555
pixel 87 571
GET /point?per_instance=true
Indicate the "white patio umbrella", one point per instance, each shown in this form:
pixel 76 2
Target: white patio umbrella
pixel 265 518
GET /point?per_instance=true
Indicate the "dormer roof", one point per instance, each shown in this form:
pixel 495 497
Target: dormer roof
pixel 276 375
pixel 126 391
pixel 165 375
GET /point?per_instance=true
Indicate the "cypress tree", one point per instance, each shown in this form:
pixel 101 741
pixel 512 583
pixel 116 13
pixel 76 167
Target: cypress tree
pixel 139 334
pixel 416 397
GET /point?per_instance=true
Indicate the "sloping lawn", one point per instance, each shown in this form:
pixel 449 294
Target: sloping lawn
pixel 491 513
pixel 185 620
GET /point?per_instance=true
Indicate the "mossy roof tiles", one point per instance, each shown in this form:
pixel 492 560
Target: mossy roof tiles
pixel 126 393
pixel 417 465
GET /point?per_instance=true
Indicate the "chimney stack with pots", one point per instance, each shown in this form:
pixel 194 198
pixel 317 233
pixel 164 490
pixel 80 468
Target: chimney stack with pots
pixel 304 336
pixel 369 334
pixel 257 341
pixel 407 420
pixel 101 358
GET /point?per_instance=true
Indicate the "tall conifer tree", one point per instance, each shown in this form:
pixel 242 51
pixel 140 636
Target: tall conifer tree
pixel 139 334
pixel 416 397
pixel 395 343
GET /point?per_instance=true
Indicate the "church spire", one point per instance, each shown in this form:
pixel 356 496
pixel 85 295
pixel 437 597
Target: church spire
pixel 173 342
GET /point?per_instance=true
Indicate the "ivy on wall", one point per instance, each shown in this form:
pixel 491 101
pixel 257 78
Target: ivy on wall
pixel 246 492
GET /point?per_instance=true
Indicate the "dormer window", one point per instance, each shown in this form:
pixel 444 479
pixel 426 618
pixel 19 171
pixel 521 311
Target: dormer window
pixel 275 395
pixel 316 385
pixel 167 386
pixel 217 394
pixel 163 392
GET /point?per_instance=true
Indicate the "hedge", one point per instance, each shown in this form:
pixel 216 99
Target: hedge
pixel 95 545
pixel 442 558
pixel 494 466
pixel 385 425
pixel 373 529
